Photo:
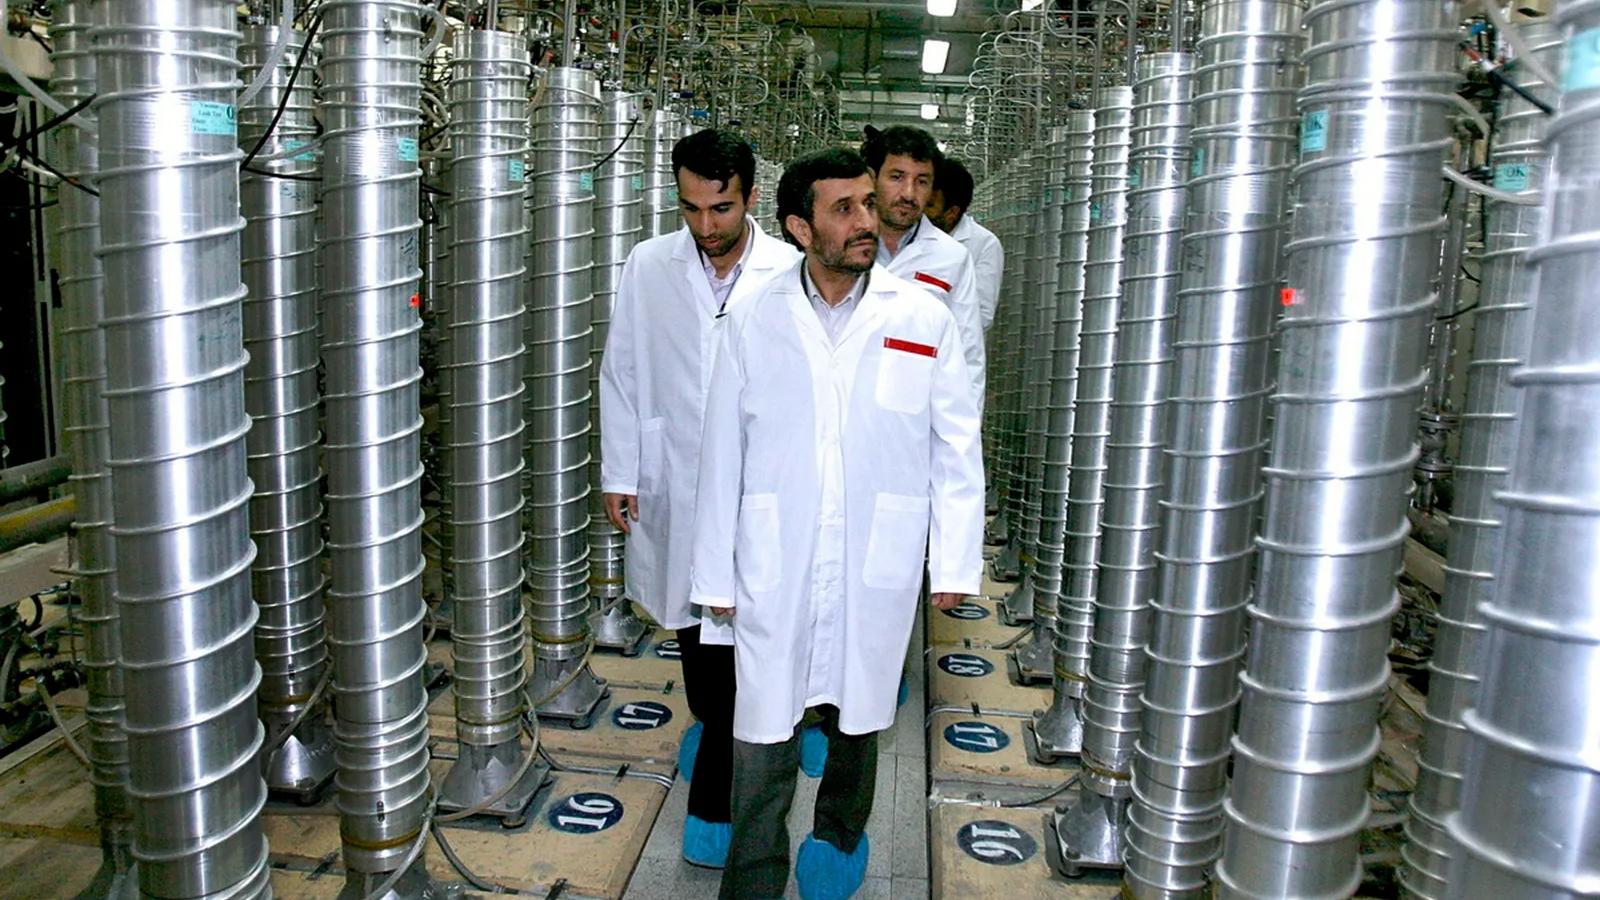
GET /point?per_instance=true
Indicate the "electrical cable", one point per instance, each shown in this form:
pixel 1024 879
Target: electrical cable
pixel 283 101
pixel 300 717
pixel 387 885
pixel 55 715
pixel 473 878
pixel 35 159
pixel 1034 801
pixel 7 145
pixel 620 144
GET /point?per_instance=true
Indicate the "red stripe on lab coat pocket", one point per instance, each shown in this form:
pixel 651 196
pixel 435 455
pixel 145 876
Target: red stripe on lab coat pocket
pixel 925 278
pixel 909 347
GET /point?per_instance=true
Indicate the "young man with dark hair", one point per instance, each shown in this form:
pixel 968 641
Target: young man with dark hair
pixel 671 297
pixel 947 208
pixel 840 445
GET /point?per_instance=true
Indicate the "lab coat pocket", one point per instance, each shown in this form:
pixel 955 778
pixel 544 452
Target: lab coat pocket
pixel 898 542
pixel 757 550
pixel 652 452
pixel 904 380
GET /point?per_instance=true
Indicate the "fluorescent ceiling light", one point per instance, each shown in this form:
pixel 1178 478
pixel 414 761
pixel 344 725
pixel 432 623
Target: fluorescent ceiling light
pixel 930 111
pixel 935 53
pixel 1031 4
pixel 943 8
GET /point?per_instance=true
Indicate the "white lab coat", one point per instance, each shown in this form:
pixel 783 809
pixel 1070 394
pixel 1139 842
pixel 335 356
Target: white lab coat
pixel 653 382
pixel 988 264
pixel 827 472
pixel 938 263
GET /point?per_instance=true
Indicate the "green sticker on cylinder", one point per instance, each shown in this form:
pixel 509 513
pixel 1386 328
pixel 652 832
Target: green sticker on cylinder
pixel 292 145
pixel 1133 179
pixel 637 181
pixel 206 117
pixel 406 149
pixel 1314 131
pixel 586 181
pixel 1582 69
pixel 1197 165
pixel 516 171
pixel 1094 211
pixel 1511 176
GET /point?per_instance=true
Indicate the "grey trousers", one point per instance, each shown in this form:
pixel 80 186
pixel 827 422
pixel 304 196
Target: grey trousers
pixel 763 791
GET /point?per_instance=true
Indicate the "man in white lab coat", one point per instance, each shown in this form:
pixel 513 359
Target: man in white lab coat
pixel 841 446
pixel 903 161
pixel 947 208
pixel 671 299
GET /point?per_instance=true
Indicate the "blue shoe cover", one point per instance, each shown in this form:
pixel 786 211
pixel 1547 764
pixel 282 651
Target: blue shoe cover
pixel 905 691
pixel 824 872
pixel 706 843
pixel 813 751
pixel 688 750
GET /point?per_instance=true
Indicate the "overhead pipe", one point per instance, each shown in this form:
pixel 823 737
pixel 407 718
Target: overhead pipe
pixel 559 336
pixel 370 183
pixel 1090 832
pixel 618 200
pixel 1353 338
pixel 1526 826
pixel 281 395
pixel 86 433
pixel 1059 731
pixel 1065 227
pixel 166 75
pixel 1490 419
pixel 484 434
pixel 1243 140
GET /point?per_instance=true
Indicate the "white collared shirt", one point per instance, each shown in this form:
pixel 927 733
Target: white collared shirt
pixel 886 256
pixel 722 287
pixel 834 317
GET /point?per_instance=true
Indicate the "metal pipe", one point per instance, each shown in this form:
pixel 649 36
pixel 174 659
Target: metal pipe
pixel 1353 337
pixel 1243 144
pixel 86 433
pixel 37 524
pixel 280 393
pixel 1090 832
pixel 1503 334
pixel 1526 826
pixel 174 389
pixel 484 436
pixel 1102 294
pixel 371 96
pixel 41 474
pixel 559 336
pixel 618 201
pixel 1063 227
pixel 1035 332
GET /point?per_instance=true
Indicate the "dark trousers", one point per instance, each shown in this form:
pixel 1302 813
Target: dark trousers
pixel 763 790
pixel 708 682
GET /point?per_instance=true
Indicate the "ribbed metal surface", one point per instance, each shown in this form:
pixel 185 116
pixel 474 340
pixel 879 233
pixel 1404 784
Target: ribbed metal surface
pixel 1069 152
pixel 1058 729
pixel 618 186
pixel 1157 168
pixel 559 337
pixel 488 123
pixel 370 276
pixel 1527 826
pixel 1361 260
pixel 1502 335
pixel 1243 143
pixel 86 433
pixel 1030 388
pixel 438 300
pixel 1008 342
pixel 659 213
pixel 1102 294
pixel 280 393
pixel 169 215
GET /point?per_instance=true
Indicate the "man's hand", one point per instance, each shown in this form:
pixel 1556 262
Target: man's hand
pixel 726 611
pixel 947 601
pixel 615 504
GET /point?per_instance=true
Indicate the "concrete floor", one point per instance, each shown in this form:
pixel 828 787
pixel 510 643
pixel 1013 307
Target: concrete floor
pixel 898 830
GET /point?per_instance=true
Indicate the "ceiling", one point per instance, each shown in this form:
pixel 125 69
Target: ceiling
pixel 872 49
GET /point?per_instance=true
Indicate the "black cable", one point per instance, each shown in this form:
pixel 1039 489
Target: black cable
pixel 41 41
pixel 620 144
pixel 1031 801
pixel 1498 77
pixel 7 145
pixel 38 161
pixel 284 175
pixel 473 878
pixel 288 89
pixel 1457 313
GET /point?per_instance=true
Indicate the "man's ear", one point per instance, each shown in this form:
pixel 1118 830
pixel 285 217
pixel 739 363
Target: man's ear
pixel 799 228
